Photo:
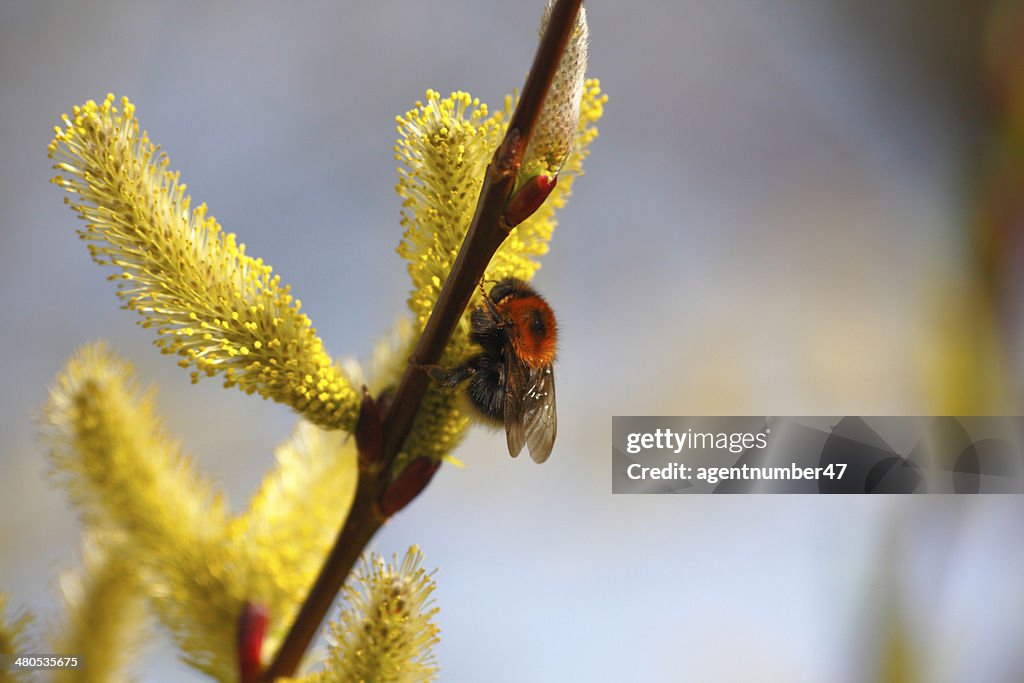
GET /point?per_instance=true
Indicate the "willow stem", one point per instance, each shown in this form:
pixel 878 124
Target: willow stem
pixel 486 233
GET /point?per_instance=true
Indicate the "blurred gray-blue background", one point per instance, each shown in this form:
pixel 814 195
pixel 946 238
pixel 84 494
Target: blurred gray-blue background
pixel 777 218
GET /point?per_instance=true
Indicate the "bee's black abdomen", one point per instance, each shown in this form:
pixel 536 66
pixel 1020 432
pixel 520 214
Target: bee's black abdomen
pixel 486 387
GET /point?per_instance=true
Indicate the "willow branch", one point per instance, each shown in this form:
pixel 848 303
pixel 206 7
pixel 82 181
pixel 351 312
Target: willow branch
pixel 486 233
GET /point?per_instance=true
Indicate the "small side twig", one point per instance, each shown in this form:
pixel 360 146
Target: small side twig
pixel 487 231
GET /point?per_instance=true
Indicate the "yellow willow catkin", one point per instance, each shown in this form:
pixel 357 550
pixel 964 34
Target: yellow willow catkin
pixel 556 128
pixel 222 311
pixel 104 621
pixel 14 639
pixel 293 519
pixel 127 476
pixel 387 633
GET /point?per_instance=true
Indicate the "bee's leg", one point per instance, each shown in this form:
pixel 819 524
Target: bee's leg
pixel 491 308
pixel 489 302
pixel 448 377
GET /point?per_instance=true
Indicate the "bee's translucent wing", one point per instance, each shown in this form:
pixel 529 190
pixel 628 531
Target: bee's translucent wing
pixel 530 417
pixel 541 419
pixel 517 378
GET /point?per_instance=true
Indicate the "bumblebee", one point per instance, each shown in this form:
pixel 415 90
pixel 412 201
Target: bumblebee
pixel 511 381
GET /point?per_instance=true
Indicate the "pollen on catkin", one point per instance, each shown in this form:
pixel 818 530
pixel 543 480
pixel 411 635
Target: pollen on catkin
pixel 387 633
pixel 222 311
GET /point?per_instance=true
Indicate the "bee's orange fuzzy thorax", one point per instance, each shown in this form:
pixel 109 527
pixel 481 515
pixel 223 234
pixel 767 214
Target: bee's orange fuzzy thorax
pixel 534 330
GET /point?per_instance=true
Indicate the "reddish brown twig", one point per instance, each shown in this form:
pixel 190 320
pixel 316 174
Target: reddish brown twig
pixel 381 438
